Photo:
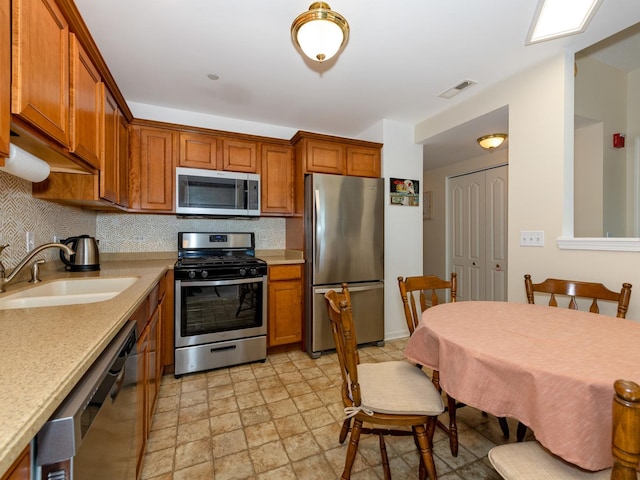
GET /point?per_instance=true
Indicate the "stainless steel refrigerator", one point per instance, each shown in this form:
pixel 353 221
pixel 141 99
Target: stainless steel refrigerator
pixel 344 242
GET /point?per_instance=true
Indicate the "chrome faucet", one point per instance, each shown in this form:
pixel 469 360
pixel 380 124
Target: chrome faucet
pixel 4 280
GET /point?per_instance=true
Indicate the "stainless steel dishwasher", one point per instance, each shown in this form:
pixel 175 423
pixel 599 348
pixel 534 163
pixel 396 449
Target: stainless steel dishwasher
pixel 91 435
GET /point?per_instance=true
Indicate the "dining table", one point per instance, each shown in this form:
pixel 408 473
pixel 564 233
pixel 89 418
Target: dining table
pixel 551 368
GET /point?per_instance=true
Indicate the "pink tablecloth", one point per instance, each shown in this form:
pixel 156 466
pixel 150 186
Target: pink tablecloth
pixel 551 368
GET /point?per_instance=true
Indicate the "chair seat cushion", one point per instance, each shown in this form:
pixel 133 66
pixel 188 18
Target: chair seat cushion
pixel 398 387
pixel 531 461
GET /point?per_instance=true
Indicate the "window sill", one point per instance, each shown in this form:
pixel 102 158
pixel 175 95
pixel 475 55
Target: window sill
pixel 611 244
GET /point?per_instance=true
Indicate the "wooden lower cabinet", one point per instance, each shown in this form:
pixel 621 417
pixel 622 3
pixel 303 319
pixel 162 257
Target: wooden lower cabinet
pixel 148 367
pixel 167 318
pixel 21 468
pixel 284 305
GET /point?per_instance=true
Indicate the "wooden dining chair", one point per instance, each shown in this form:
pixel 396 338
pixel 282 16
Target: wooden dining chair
pixel 419 293
pixel 394 396
pixel 573 290
pixel 531 461
pixel 427 286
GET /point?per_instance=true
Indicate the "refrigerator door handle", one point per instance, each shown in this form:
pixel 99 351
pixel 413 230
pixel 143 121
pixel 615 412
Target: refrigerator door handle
pixel 316 215
pixel 351 289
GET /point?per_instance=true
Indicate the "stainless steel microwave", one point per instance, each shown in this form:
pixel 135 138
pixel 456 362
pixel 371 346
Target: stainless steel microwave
pixel 212 192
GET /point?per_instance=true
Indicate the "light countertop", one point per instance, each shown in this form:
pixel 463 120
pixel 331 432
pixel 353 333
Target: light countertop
pixel 280 257
pixel 45 351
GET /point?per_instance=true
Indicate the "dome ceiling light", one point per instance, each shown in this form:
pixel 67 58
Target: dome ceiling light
pixel 492 141
pixel 320 32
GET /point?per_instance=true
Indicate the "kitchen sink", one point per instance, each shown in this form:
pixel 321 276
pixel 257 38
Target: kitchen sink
pixel 67 292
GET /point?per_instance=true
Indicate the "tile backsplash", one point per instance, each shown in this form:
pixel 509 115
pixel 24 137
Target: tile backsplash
pixel 122 232
pixel 21 213
pixel 116 232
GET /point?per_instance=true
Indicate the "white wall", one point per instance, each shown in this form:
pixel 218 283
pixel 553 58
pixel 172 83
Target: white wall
pixel 588 194
pixel 540 104
pixel 401 158
pixel 601 96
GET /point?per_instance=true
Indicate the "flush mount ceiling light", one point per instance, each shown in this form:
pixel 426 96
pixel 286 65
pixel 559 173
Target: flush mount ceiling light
pixel 320 32
pixel 558 18
pixel 492 141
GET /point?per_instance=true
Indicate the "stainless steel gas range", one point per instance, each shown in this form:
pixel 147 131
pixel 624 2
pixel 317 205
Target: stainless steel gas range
pixel 220 301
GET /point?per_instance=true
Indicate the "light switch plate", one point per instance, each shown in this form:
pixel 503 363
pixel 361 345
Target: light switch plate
pixel 531 238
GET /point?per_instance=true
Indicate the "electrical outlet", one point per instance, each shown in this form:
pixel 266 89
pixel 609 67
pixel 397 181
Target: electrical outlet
pixel 57 238
pixel 31 241
pixel 531 238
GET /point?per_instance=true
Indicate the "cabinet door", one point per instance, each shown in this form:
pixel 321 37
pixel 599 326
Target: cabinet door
pixel 276 175
pixel 85 105
pixel 285 305
pixel 40 67
pixel 21 468
pixel 198 151
pixel 141 402
pixel 324 157
pixel 363 162
pixel 152 174
pixel 167 322
pixel 109 165
pixel 152 368
pixel 123 160
pixel 5 77
pixel 239 156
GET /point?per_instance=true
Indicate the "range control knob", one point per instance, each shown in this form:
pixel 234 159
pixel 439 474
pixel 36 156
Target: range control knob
pixel 204 274
pixel 242 271
pixel 191 274
pixel 253 271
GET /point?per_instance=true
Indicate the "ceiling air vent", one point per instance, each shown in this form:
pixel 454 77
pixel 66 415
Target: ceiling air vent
pixel 452 92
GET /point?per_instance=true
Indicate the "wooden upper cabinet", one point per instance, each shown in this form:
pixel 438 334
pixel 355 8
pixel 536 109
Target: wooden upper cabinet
pixel 5 77
pixel 114 168
pixel 363 161
pixel 109 165
pixel 86 103
pixel 123 160
pixel 198 151
pixel 317 153
pixel 323 157
pixel 239 155
pixel 152 169
pixel 40 67
pixel 277 182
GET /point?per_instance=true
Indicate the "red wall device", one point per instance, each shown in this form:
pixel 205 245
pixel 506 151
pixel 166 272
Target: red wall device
pixel 618 140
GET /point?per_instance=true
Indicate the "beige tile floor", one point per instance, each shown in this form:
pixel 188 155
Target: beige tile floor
pixel 280 420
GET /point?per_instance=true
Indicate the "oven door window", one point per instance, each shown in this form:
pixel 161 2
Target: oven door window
pixel 208 308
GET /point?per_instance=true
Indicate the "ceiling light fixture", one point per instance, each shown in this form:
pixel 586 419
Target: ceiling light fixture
pixel 320 32
pixel 492 141
pixel 559 18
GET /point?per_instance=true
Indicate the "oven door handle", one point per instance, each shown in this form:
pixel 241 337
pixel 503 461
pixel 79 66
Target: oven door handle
pixel 216 283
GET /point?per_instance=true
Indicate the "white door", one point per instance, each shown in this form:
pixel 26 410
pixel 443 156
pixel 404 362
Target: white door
pixel 478 234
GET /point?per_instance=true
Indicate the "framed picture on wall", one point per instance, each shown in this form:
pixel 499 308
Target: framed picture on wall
pixel 404 192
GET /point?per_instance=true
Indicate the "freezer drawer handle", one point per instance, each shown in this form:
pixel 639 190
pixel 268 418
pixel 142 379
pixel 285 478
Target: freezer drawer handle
pixel 351 289
pixel 222 349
